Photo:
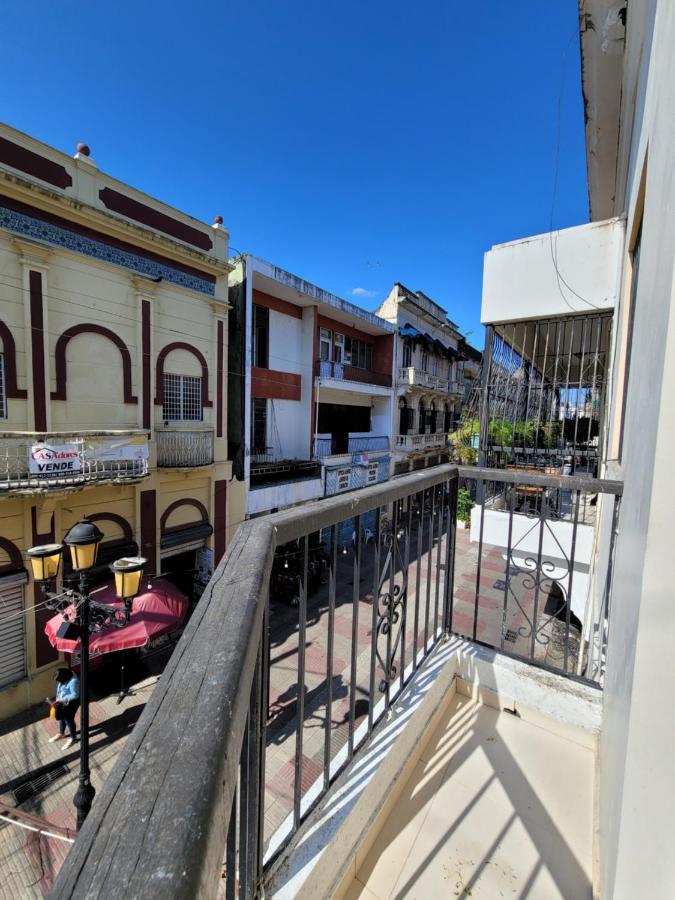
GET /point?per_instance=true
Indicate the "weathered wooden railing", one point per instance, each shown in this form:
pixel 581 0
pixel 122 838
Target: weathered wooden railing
pixel 377 576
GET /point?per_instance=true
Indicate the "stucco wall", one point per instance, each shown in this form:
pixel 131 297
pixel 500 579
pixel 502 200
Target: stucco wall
pixel 637 775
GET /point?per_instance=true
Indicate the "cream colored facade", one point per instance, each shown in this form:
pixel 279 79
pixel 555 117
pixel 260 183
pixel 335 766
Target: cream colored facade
pixel 113 335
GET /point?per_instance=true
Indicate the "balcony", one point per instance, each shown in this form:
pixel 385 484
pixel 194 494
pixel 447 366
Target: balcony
pixel 423 676
pixel 456 388
pixel 267 469
pixel 410 443
pixel 35 463
pixel 326 447
pixel 178 449
pixel 325 369
pixel 418 378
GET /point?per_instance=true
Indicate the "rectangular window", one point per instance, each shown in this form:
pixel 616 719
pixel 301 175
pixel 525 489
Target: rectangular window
pixel 425 361
pixel 407 356
pixel 372 473
pixel 3 393
pixel 339 348
pixel 258 426
pixel 182 398
pixel 324 344
pixel 261 337
pixel 343 479
pixel 348 351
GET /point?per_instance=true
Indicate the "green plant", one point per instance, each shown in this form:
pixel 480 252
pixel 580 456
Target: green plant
pixel 462 451
pixel 464 505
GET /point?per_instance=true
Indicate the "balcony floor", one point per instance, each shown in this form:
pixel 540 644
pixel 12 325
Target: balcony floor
pixel 496 807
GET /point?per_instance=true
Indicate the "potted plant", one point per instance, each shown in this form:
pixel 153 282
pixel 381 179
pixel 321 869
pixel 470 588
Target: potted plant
pixel 464 506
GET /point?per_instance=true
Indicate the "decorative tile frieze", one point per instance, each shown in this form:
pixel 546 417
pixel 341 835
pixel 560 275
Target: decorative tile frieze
pixel 30 227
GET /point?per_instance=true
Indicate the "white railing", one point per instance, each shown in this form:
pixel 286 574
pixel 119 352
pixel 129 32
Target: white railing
pixel 419 378
pixel 36 462
pixel 184 449
pixel 420 441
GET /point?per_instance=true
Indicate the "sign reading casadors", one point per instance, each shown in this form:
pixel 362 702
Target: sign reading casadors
pixel 52 459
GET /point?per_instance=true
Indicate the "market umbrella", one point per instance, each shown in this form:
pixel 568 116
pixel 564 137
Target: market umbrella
pixel 158 608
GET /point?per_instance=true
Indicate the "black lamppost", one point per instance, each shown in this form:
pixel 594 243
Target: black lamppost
pixel 82 540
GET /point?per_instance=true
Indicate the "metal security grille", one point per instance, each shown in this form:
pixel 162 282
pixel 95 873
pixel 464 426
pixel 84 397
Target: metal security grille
pixel 12 630
pixel 182 398
pixel 372 473
pixel 3 398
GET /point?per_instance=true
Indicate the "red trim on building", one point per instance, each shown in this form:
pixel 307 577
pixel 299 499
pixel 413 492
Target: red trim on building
pixel 44 652
pixel 220 365
pixel 268 384
pixel 14 554
pixel 127 530
pixel 76 228
pixel 147 363
pixel 37 350
pixel 159 376
pixel 260 298
pixel 219 520
pixel 149 529
pixel 12 390
pixel 146 215
pixel 33 164
pixel 184 501
pixel 60 358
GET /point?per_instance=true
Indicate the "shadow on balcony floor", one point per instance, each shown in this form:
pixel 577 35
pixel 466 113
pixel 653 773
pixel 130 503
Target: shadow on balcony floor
pixel 496 807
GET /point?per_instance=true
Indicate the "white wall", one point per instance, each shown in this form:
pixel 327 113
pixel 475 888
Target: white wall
pixel 279 496
pixel 286 343
pixel 637 772
pixel 520 280
pixel 287 431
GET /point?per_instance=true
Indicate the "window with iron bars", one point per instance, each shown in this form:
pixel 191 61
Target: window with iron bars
pixel 182 398
pixel 3 396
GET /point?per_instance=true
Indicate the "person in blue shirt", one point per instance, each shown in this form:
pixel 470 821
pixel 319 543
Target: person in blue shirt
pixel 68 701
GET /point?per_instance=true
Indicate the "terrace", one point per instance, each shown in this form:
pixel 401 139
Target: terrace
pixel 310 740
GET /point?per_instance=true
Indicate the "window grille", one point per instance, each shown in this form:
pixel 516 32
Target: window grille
pixel 343 479
pixel 261 336
pixel 3 397
pixel 372 473
pixel 182 398
pixel 259 425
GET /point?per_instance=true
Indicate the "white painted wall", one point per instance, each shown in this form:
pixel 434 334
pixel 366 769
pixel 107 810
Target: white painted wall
pixel 279 496
pixel 286 343
pixel 520 280
pixel 287 431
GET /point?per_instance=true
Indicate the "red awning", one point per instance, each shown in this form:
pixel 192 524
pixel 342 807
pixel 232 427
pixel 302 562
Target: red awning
pixel 159 608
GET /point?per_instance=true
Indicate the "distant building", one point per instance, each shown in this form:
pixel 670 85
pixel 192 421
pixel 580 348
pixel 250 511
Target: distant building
pixel 430 376
pixel 113 386
pixel 311 413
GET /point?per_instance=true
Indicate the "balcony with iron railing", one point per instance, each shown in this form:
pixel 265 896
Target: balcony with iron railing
pixel 184 448
pixel 34 463
pixel 327 370
pixel 327 698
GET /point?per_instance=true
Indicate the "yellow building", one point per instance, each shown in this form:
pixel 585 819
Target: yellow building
pixel 113 386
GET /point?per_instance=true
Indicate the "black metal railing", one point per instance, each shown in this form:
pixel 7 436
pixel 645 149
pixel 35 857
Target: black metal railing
pixel 311 626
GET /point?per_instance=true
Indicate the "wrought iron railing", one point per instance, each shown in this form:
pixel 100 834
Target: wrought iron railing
pixel 327 369
pixel 367 444
pixel 312 624
pixel 39 462
pixel 184 449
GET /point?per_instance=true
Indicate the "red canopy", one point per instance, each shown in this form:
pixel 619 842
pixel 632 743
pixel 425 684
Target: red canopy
pixel 159 608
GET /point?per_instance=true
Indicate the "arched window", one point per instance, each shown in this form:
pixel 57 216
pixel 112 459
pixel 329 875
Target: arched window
pixel 407 355
pixel 406 416
pixel 446 419
pixel 432 418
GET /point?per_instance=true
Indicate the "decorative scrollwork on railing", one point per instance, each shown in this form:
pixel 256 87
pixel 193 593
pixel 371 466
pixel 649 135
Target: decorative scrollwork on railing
pixel 390 604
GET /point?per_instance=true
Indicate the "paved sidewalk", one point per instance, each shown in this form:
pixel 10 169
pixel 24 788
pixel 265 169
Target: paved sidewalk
pixel 29 862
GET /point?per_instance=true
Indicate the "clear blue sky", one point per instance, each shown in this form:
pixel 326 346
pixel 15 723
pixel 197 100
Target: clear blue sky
pixel 354 143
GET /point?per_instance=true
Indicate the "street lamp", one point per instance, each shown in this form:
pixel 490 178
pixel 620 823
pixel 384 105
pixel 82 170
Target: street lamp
pixel 82 540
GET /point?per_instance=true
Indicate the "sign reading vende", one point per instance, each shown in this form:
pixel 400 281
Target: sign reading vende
pixel 53 459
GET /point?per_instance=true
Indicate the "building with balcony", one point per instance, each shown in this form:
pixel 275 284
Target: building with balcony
pixel 437 723
pixel 429 370
pixel 113 362
pixel 316 391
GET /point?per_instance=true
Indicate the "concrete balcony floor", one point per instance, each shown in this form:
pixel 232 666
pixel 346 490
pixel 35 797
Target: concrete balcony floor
pixel 497 806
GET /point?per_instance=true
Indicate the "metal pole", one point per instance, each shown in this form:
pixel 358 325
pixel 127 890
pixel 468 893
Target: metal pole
pixel 85 793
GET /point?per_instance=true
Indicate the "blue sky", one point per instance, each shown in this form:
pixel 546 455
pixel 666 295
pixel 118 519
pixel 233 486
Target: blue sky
pixel 353 143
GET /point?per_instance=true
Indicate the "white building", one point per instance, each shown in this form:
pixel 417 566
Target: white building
pixel 315 398
pixel 429 376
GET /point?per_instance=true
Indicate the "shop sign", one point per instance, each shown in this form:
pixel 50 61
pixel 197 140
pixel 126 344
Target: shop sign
pixel 54 459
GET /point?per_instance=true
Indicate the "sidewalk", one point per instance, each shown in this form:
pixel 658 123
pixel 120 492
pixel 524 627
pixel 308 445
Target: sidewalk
pixel 30 765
